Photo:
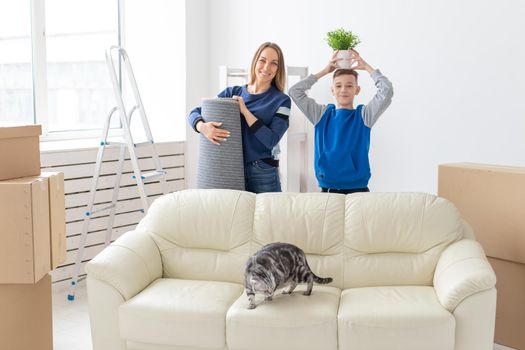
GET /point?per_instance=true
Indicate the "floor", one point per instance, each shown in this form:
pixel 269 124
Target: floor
pixel 71 330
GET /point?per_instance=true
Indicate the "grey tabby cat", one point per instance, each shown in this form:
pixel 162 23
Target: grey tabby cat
pixel 277 265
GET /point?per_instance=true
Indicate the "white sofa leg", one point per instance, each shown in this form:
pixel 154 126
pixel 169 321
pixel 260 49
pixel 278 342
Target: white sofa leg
pixel 475 321
pixel 103 302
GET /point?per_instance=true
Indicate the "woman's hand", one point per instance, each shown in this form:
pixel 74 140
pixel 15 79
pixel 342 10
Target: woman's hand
pixel 212 131
pixel 242 105
pixel 248 116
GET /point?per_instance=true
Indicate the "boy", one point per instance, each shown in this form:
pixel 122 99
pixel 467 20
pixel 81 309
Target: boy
pixel 342 133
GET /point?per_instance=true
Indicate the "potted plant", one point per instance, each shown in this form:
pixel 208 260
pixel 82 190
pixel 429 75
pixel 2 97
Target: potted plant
pixel 342 40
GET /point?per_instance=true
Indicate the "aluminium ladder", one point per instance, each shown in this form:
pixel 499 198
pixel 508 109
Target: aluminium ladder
pixel 125 143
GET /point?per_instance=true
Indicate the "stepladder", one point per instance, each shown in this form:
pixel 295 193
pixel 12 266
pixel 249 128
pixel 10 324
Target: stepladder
pixel 126 145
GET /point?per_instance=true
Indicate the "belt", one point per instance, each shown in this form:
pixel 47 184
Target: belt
pixel 344 191
pixel 271 161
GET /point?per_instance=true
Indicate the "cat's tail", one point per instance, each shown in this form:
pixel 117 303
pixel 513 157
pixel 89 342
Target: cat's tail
pixel 321 280
pixel 317 279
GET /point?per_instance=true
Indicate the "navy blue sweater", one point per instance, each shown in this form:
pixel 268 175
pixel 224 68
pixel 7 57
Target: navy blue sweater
pixel 271 108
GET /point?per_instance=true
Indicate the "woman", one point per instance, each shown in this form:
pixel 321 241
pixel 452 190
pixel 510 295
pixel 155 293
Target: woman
pixel 265 110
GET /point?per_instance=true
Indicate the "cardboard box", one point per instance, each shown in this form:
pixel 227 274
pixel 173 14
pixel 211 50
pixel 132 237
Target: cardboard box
pixel 491 199
pixel 24 230
pixel 26 321
pixel 510 311
pixel 57 217
pixel 19 151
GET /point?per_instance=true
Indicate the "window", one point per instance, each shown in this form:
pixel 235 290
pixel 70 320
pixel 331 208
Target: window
pixel 53 70
pixel 16 82
pixel 79 90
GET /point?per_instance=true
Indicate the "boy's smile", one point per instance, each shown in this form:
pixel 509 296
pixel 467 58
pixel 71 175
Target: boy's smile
pixel 344 89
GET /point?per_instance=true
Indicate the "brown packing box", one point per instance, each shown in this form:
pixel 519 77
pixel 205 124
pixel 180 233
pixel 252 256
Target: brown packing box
pixel 491 199
pixel 19 151
pixel 57 217
pixel 510 311
pixel 24 230
pixel 26 318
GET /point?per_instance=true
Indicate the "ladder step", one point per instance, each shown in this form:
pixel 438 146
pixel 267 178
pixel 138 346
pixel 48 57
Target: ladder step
pixel 142 144
pixel 112 143
pixel 238 74
pixel 151 175
pixel 118 143
pixel 89 213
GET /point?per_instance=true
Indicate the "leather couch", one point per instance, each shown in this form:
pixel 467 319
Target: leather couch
pixel 408 275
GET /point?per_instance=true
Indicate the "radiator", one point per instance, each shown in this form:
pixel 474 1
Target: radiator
pixel 78 167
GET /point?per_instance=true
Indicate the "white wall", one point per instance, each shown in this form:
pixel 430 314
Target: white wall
pixel 458 69
pixel 197 75
pixel 154 39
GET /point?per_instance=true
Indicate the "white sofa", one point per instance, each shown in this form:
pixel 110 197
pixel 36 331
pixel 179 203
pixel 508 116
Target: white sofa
pixel 407 273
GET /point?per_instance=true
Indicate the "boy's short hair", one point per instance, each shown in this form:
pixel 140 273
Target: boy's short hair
pixel 345 71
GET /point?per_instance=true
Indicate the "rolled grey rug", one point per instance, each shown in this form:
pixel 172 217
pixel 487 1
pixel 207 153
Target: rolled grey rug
pixel 221 166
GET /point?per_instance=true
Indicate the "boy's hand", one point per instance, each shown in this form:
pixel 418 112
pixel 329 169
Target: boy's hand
pixel 361 63
pixel 332 64
pixel 330 67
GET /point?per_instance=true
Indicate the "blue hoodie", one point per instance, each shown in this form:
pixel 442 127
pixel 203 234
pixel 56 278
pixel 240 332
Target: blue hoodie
pixel 342 141
pixel 342 136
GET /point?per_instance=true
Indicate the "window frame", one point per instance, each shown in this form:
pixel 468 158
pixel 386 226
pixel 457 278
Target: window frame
pixel 74 138
pixel 39 75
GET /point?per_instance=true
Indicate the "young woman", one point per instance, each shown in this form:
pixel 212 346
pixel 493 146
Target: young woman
pixel 265 110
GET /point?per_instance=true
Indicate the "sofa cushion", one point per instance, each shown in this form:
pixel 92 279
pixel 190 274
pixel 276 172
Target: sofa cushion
pixel 312 221
pixel 288 322
pixel 202 234
pixel 394 318
pixel 396 238
pixel 179 312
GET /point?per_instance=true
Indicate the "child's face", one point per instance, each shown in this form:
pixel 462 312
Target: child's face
pixel 344 89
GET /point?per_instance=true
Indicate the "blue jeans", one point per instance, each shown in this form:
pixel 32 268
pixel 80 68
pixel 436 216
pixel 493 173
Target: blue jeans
pixel 260 177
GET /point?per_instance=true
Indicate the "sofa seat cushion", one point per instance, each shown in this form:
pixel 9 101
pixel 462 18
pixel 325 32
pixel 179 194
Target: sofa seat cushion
pixel 179 312
pixel 288 322
pixel 394 318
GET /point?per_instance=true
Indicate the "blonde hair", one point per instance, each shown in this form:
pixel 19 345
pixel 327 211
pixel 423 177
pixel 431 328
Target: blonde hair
pixel 279 80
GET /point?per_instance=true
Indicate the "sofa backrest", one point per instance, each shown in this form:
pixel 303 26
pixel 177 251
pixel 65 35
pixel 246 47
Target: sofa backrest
pixel 364 239
pixel 312 221
pixel 202 234
pixel 396 238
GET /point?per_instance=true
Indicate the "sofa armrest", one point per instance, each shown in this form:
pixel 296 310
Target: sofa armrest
pixel 129 264
pixel 462 270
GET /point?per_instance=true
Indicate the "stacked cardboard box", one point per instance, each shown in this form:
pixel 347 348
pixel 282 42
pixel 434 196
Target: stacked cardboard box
pixel 32 239
pixel 19 151
pixel 491 199
pixel 26 318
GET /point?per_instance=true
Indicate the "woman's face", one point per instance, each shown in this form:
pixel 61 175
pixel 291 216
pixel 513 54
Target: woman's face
pixel 267 65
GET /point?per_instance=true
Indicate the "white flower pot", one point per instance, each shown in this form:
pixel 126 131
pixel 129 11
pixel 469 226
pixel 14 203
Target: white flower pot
pixel 346 61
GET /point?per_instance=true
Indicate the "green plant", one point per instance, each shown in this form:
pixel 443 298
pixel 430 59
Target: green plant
pixel 341 39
